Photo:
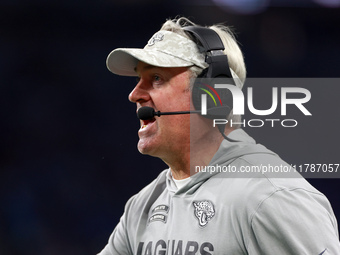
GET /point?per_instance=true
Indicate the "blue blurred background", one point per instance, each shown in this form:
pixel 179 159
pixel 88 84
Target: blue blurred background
pixel 68 160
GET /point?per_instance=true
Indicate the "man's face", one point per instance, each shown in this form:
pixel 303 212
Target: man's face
pixel 165 90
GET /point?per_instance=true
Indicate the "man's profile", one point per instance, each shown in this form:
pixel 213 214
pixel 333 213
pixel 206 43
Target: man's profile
pixel 184 211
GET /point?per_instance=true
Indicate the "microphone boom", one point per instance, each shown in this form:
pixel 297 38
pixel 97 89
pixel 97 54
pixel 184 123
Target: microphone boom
pixel 147 113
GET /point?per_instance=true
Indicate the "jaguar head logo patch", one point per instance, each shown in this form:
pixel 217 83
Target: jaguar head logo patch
pixel 204 211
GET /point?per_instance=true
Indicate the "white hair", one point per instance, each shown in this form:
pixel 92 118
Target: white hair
pixel 232 50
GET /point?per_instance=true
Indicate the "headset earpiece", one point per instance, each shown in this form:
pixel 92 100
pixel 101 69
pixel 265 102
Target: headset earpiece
pixel 219 101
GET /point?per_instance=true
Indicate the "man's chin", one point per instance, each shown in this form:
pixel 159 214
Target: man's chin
pixel 145 147
pixel 150 149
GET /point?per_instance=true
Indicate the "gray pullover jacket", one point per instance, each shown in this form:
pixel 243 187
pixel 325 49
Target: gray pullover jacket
pixel 229 213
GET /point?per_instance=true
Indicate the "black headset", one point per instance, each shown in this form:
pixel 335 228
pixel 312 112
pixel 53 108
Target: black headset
pixel 219 101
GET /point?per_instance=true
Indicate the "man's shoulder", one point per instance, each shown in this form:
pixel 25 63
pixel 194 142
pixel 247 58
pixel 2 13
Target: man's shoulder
pixel 157 183
pixel 246 195
pixel 156 187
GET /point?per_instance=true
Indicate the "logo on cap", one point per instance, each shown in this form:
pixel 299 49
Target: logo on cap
pixel 157 37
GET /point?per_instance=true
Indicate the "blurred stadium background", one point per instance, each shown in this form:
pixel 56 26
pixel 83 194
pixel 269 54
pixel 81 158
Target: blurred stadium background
pixel 68 160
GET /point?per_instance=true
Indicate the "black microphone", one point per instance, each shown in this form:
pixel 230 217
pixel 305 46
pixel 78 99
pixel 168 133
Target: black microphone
pixel 147 113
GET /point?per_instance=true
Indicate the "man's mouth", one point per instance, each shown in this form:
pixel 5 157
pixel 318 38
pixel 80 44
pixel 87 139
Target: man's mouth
pixel 145 123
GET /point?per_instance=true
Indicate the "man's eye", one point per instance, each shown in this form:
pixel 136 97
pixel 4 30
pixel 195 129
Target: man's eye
pixel 156 78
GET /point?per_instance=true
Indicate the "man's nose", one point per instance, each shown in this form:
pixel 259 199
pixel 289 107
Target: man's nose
pixel 139 93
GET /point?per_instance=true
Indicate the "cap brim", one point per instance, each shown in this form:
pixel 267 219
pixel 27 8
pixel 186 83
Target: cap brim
pixel 123 61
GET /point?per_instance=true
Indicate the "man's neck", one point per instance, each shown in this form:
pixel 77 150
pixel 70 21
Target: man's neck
pixel 200 153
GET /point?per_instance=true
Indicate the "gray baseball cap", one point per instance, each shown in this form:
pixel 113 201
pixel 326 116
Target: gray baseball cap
pixel 164 49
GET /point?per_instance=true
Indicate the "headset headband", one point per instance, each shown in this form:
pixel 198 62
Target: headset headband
pixel 213 48
pixel 209 39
